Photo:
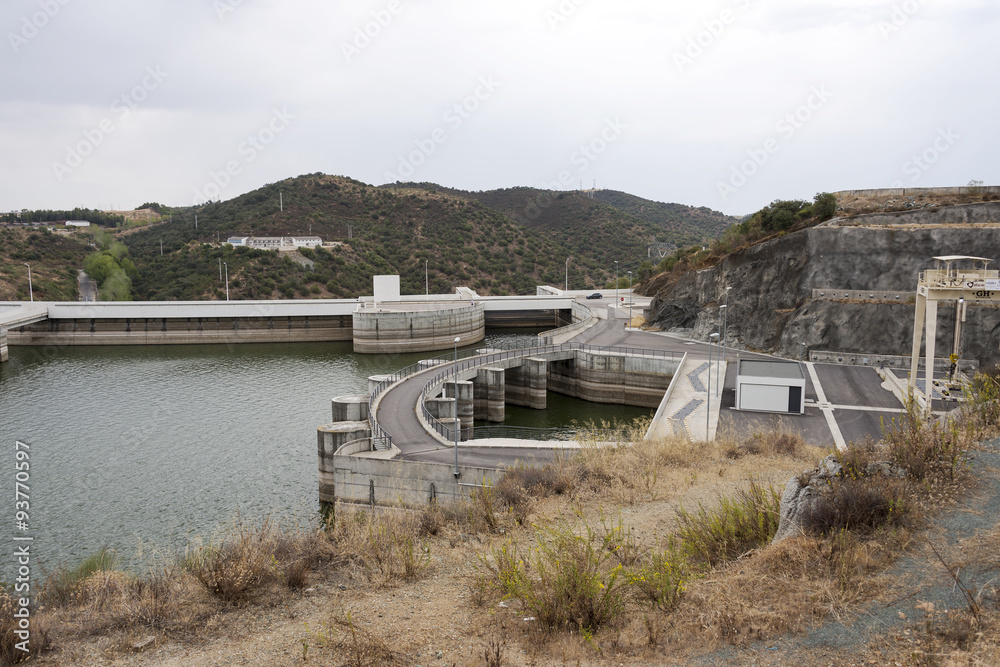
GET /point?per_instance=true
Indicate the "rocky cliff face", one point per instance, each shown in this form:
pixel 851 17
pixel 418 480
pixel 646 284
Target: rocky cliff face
pixel 771 306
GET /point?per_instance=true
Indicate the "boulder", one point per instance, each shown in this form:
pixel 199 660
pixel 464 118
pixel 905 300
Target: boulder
pixel 801 494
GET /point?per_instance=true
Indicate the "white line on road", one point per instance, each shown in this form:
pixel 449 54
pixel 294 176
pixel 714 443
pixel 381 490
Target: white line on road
pixel 824 405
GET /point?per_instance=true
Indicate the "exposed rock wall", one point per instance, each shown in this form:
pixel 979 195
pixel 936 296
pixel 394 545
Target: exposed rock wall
pixel 770 304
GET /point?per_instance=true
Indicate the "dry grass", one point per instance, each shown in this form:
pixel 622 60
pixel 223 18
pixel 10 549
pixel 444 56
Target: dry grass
pixel 345 638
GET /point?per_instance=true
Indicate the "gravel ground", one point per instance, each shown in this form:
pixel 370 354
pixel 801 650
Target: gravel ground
pixel 918 578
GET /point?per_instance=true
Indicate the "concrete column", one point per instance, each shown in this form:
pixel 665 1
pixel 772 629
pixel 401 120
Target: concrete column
pixel 449 428
pixel 3 346
pixel 353 408
pixel 375 380
pixel 929 346
pixel 329 438
pixel 536 373
pixel 480 394
pixel 918 329
pixel 496 408
pixel 464 393
pixel 441 408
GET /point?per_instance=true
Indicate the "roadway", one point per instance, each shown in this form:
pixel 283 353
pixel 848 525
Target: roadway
pixel 844 404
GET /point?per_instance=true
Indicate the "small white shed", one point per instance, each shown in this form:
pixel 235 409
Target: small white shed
pixel 770 386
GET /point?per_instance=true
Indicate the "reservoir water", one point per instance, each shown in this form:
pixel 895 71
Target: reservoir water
pixel 148 449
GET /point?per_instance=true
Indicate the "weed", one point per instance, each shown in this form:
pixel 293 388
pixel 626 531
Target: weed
pixel 661 579
pixel 858 503
pixel 234 569
pixel 736 526
pixel 573 582
pixel 61 584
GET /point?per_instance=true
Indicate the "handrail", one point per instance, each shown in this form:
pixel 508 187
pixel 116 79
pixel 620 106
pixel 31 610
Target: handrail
pixel 474 360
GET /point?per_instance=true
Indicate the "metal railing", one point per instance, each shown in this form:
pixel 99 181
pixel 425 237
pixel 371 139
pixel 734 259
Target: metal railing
pixel 475 361
pixel 381 439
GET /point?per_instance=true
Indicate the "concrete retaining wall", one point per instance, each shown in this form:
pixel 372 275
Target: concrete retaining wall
pixel 604 377
pixel 389 482
pixel 912 192
pixel 583 318
pixel 183 331
pixel 831 294
pixel 397 332
pixel 968 366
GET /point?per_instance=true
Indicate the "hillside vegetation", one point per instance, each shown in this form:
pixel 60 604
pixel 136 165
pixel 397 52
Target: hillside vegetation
pixel 54 261
pixel 461 238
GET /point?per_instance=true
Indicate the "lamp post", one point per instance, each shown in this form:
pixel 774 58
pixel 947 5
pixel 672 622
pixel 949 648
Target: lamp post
pixel 456 422
pixel 708 402
pixel 567 274
pixel 616 283
pixel 220 269
pixel 227 280
pixel 427 282
pixel 31 292
pixel 629 300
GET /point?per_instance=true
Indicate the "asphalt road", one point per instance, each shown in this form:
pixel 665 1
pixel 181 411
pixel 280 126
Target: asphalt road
pixel 858 388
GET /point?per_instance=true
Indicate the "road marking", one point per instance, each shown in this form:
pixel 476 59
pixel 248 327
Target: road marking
pixel 824 405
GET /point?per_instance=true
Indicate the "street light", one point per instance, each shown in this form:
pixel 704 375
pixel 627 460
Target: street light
pixel 456 422
pixel 427 283
pixel 227 280
pixel 629 300
pixel 616 283
pixel 31 293
pixel 567 274
pixel 708 402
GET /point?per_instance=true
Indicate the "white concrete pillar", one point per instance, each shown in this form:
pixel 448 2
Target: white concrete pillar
pixel 536 374
pixel 4 356
pixel 375 380
pixel 929 346
pixel 918 329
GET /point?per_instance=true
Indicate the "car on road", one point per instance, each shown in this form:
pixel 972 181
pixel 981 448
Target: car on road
pixel 595 295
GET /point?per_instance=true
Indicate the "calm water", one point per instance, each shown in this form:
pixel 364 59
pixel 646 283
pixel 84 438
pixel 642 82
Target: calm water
pixel 146 449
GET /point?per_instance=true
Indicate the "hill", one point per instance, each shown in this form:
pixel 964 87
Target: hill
pixel 461 238
pixel 54 260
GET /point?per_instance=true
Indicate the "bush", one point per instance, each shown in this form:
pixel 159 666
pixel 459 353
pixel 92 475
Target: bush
pixel 926 451
pixel 573 582
pixel 736 526
pixel 61 585
pixel 860 504
pixel 11 644
pixel 660 581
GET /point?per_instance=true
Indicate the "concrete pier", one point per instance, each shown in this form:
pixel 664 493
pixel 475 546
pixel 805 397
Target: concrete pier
pixel 330 438
pixel 408 327
pixel 3 345
pixel 490 395
pixel 352 408
pixel 463 392
pixel 375 380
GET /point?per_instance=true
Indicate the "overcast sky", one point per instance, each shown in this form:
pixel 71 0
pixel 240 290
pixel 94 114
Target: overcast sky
pixel 727 104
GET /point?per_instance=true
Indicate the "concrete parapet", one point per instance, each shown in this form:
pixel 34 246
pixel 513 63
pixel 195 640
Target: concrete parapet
pixel 380 331
pixel 353 408
pixel 967 366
